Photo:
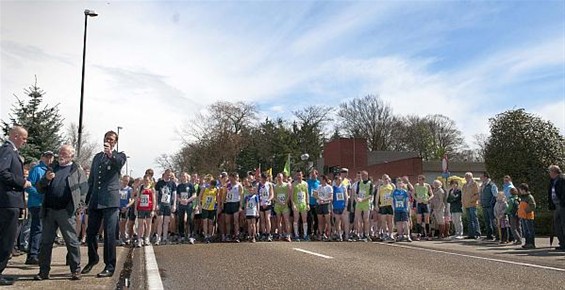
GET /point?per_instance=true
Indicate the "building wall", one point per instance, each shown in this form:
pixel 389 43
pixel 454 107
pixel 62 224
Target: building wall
pixel 348 153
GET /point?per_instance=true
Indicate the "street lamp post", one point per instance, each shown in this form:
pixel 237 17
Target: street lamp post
pixel 118 144
pixel 87 13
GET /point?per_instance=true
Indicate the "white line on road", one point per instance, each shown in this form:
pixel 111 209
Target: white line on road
pixel 153 277
pixel 312 253
pixel 475 257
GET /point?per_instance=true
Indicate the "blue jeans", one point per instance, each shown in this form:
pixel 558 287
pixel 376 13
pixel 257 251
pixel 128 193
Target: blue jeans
pixel 490 227
pixel 34 233
pixel 474 227
pixel 528 231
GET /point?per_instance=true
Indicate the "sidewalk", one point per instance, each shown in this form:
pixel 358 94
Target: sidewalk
pixel 60 274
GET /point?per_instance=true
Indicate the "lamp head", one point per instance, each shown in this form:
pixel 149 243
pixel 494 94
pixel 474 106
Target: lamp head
pixel 90 13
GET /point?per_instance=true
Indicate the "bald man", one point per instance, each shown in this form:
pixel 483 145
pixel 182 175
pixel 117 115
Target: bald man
pixel 12 185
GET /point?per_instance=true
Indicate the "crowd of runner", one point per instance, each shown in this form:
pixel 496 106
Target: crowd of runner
pixel 230 208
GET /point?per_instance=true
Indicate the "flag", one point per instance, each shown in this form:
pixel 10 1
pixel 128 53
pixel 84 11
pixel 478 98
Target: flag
pixel 258 172
pixel 286 169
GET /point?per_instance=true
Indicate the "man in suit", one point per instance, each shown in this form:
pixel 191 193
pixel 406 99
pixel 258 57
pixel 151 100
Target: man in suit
pixel 556 198
pixel 64 188
pixel 103 200
pixel 12 186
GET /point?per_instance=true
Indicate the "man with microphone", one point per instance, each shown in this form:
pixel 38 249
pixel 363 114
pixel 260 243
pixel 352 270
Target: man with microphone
pixel 103 201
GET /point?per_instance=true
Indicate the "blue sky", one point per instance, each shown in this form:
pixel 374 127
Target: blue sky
pixel 152 65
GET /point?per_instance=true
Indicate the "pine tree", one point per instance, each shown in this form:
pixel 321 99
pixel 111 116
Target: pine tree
pixel 42 123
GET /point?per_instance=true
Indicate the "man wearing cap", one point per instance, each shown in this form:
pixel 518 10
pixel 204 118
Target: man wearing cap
pixel 35 199
pixel 12 186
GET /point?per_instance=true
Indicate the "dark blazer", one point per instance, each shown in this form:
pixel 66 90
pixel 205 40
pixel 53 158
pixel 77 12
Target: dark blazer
pixel 559 191
pixel 78 186
pixel 12 179
pixel 104 180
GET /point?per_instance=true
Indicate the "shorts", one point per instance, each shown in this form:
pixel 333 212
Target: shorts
pixel 281 209
pixel 198 216
pixel 323 209
pixel 131 214
pixel 363 206
pixel 231 207
pixel 400 216
pixel 302 207
pixel 422 208
pixel 338 210
pixel 251 218
pixel 164 211
pixel 143 214
pixel 386 210
pixel 208 214
pixel 265 208
pixel 123 215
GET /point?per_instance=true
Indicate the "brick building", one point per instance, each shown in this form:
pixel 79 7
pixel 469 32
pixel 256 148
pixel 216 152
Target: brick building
pixel 352 153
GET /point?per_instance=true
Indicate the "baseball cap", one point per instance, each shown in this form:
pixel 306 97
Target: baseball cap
pixel 47 153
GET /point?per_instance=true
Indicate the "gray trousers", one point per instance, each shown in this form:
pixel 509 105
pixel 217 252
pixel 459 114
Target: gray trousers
pixel 559 224
pixel 53 220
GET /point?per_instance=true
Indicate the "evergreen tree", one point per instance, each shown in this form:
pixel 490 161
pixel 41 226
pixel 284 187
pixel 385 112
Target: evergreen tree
pixel 43 123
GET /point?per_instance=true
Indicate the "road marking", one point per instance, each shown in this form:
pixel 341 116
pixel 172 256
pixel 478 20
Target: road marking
pixel 153 277
pixel 312 253
pixel 474 257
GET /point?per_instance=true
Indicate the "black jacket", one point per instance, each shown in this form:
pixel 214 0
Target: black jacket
pixel 104 180
pixel 78 186
pixel 559 191
pixel 12 179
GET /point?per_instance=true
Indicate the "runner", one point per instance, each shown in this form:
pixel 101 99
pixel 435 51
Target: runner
pixel 423 194
pixel 186 196
pixel 126 201
pixel 266 195
pixel 352 204
pixel 324 197
pixel 362 209
pixel 222 193
pixel 251 205
pixel 145 211
pixel 300 205
pixel 400 200
pixel 232 205
pixel 208 200
pixel 313 184
pixel 340 199
pixel 385 207
pixel 282 201
pixel 167 196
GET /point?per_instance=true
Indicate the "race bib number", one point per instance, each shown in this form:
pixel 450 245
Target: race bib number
pixel 229 196
pixel 250 204
pixel 123 195
pixel 144 200
pixel 362 194
pixel 399 204
pixel 208 201
pixel 301 196
pixel 281 198
pixel 166 198
pixel 184 195
pixel 339 196
pixel 264 194
pixel 387 196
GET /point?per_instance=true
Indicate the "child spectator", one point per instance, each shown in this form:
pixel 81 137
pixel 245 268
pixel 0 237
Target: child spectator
pixel 501 218
pixel 512 212
pixel 526 210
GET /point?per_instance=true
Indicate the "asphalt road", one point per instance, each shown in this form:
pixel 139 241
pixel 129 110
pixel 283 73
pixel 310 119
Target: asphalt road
pixel 357 265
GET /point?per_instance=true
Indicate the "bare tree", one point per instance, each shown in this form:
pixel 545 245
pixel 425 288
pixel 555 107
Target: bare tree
pixel 88 148
pixel 371 118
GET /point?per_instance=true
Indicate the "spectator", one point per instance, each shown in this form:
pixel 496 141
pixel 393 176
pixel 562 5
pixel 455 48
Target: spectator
pixel 488 194
pixel 556 196
pixel 469 198
pixel 35 200
pixel 526 213
pixel 456 208
pixel 512 212
pixel 64 187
